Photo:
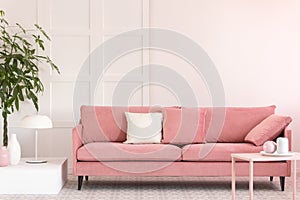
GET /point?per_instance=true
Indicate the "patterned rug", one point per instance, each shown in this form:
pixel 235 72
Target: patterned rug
pixel 144 188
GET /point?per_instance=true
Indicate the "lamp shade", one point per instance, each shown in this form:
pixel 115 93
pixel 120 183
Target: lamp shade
pixel 36 122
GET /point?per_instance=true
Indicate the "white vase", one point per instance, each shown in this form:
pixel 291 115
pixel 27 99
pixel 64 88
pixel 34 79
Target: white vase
pixel 14 149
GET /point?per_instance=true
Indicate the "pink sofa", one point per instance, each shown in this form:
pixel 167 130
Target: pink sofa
pixel 188 147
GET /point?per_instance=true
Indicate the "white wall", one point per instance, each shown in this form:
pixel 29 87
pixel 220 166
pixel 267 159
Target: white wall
pixel 76 28
pixel 254 45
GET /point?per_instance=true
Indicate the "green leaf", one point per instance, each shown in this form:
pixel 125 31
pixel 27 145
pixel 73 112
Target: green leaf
pixel 2 13
pixel 10 102
pixel 33 96
pixel 2 20
pixel 40 42
pixel 27 93
pixel 15 92
pixel 41 57
pixel 15 63
pixel 28 84
pixel 42 31
pixel 17 103
pixel 24 31
pixel 20 95
pixel 53 66
pixel 34 100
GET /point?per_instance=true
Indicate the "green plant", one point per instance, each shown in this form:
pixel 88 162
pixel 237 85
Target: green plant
pixel 19 70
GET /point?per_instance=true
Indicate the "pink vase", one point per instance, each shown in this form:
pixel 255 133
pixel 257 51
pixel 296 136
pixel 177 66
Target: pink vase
pixel 4 157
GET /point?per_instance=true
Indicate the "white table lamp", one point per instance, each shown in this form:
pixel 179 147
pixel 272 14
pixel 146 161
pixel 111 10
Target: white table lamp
pixel 36 122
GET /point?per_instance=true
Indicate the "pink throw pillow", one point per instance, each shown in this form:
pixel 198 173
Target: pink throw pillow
pixel 268 129
pixel 184 125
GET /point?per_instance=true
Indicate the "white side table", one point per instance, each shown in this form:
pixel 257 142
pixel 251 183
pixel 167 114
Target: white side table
pixel 257 157
pixel 24 178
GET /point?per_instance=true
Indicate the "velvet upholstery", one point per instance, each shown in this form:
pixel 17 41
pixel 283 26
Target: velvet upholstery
pixel 180 169
pixel 237 123
pixel 166 159
pixel 106 123
pixel 268 129
pixel 217 152
pixel 116 151
pixel 184 125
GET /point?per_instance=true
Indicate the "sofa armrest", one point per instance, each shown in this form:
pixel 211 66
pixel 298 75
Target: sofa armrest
pixel 288 134
pixel 76 144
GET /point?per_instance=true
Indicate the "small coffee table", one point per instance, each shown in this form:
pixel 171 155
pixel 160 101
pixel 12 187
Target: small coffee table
pixel 257 157
pixel 25 178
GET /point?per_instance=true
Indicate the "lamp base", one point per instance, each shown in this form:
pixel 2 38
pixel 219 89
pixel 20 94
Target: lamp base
pixel 36 161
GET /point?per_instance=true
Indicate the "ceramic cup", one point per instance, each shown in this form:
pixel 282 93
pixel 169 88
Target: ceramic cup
pixel 282 145
pixel 269 147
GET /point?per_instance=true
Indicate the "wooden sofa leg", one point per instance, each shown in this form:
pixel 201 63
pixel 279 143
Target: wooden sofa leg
pixel 80 179
pixel 282 182
pixel 271 178
pixel 86 178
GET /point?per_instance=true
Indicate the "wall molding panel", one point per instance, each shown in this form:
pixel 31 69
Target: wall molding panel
pixel 76 29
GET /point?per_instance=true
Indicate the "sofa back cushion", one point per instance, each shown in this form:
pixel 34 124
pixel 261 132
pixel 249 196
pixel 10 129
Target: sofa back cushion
pixel 107 123
pixel 183 125
pixel 237 123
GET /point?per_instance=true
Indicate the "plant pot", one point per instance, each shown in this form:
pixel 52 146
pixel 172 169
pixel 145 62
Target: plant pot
pixel 14 149
pixel 4 157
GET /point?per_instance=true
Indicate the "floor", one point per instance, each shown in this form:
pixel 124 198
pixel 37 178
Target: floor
pixel 127 188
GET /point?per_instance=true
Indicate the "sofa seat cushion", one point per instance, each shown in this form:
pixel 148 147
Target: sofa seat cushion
pixel 216 151
pixel 116 151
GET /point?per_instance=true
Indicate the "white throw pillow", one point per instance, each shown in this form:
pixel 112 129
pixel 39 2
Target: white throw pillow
pixel 144 127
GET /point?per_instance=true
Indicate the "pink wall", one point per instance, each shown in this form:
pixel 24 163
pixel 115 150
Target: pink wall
pixel 255 46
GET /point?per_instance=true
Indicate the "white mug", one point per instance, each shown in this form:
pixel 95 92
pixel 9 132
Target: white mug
pixel 282 145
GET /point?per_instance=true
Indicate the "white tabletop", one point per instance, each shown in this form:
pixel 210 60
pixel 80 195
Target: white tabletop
pixel 25 178
pixel 259 157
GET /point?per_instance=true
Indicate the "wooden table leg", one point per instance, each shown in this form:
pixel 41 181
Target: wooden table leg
pixel 294 163
pixel 251 180
pixel 233 178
